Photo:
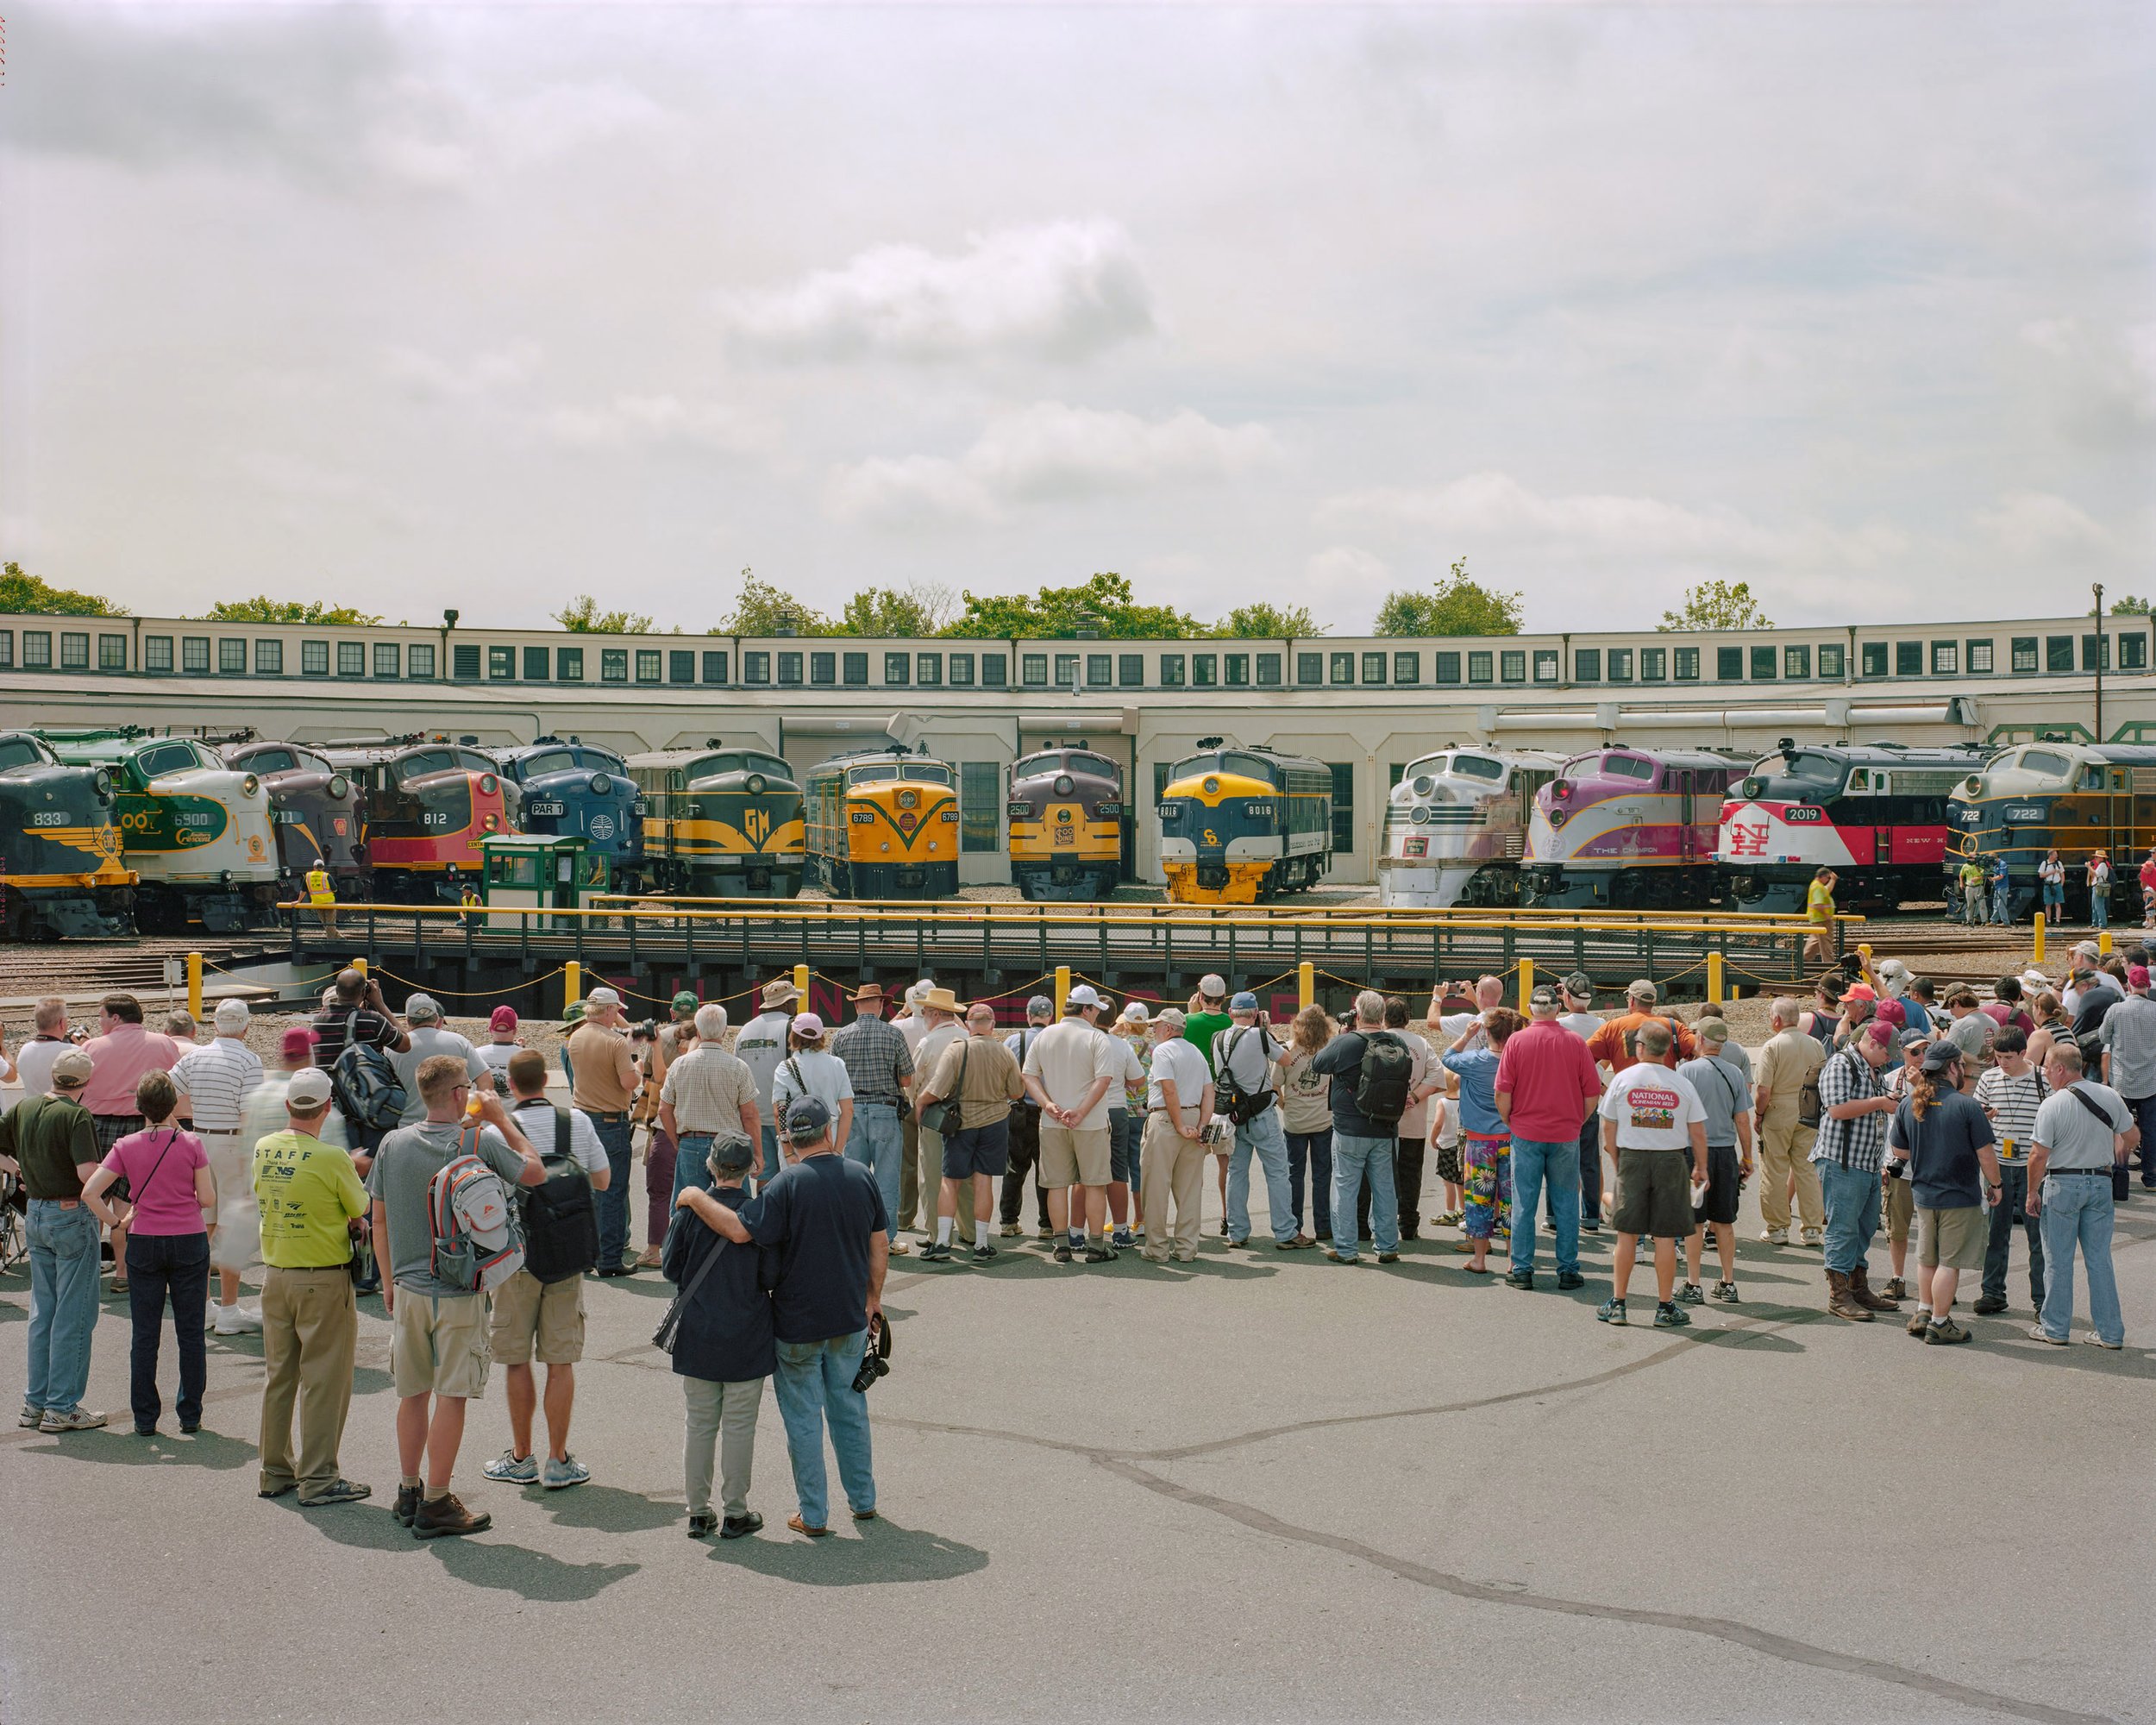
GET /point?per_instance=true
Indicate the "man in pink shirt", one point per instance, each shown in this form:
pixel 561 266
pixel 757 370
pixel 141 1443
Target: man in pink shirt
pixel 1545 1078
pixel 119 1054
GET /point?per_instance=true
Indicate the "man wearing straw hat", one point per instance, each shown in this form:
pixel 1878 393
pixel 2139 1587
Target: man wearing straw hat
pixel 880 1064
pixel 761 1047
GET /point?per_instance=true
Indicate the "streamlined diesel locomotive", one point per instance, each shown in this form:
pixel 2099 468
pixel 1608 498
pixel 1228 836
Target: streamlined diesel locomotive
pixel 1629 828
pixel 61 871
pixel 317 812
pixel 883 824
pixel 1065 805
pixel 429 804
pixel 1242 823
pixel 1456 827
pixel 579 788
pixel 2073 798
pixel 720 823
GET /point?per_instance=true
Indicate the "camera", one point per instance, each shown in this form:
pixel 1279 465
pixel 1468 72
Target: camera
pixel 1897 1167
pixel 875 1357
pixel 645 1031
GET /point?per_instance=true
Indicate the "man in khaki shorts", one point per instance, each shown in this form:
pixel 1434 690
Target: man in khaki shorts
pixel 543 1320
pixel 1070 1069
pixel 438 1348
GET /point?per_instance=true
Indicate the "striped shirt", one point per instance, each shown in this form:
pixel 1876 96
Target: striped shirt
pixel 876 1057
pixel 1857 1144
pixel 215 1080
pixel 2011 1104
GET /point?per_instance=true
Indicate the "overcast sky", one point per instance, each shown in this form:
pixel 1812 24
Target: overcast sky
pixel 494 306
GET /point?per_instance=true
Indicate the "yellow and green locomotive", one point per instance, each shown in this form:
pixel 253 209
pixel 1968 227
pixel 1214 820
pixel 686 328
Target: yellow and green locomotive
pixel 883 824
pixel 719 822
pixel 1238 824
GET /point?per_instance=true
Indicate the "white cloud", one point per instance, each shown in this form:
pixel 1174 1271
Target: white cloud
pixel 639 420
pixel 426 374
pixel 1060 291
pixel 2040 524
pixel 1341 570
pixel 1049 450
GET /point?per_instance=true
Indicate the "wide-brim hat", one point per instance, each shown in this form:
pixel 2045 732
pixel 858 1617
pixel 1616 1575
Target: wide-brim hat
pixel 781 993
pixel 869 991
pixel 942 1001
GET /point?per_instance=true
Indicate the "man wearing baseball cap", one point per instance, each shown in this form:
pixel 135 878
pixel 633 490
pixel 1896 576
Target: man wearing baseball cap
pixel 603 1089
pixel 1243 1058
pixel 1206 1016
pixel 426 1037
pixel 1576 994
pixel 54 1142
pixel 761 1046
pixel 1544 1078
pixel 310 1197
pixel 500 1046
pixel 2128 1034
pixel 1069 1068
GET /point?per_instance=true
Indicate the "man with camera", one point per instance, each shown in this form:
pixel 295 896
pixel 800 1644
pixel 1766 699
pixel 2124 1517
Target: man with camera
pixel 824 1218
pixel 1243 1057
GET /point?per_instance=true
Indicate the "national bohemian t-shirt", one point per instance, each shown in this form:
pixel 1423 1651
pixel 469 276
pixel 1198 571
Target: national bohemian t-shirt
pixel 1654 1108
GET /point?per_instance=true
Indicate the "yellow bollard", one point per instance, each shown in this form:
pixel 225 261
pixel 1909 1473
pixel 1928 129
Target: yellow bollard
pixel 194 986
pixel 359 965
pixel 1526 981
pixel 2040 938
pixel 1306 984
pixel 1714 979
pixel 572 986
pixel 1062 987
pixel 2103 942
pixel 801 987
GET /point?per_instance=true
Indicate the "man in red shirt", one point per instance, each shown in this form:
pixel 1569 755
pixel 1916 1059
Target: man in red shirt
pixel 1614 1044
pixel 1545 1080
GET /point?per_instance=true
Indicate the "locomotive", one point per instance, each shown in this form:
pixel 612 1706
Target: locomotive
pixel 1876 813
pixel 718 822
pixel 1456 827
pixel 428 803
pixel 197 830
pixel 578 788
pixel 882 824
pixel 1065 807
pixel 60 868
pixel 1238 824
pixel 2076 798
pixel 316 812
pixel 1629 828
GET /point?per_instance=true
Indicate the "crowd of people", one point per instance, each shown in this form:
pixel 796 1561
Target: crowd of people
pixel 786 1163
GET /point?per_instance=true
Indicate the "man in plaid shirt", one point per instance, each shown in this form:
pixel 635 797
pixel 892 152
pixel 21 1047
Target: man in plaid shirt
pixel 1849 1150
pixel 880 1065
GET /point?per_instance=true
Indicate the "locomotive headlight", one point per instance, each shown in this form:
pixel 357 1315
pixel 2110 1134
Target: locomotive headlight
pixel 340 788
pixel 103 782
pixel 1212 786
pixel 601 784
pixel 249 785
pixel 1065 784
pixel 489 784
pixel 1973 783
pixel 755 784
pixel 1424 785
pixel 1560 788
pixel 491 822
pixel 909 800
pixel 1420 814
pixel 1750 790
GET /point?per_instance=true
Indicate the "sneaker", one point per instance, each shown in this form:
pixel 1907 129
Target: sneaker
pixel 1947 1331
pixel 1389 1258
pixel 1593 1225
pixel 74 1419
pixel 983 1253
pixel 1064 1254
pixel 275 1490
pixel 1520 1278
pixel 343 1492
pixel 1044 1234
pixel 1224 1230
pixel 2096 1341
pixel 1726 1292
pixel 1122 1237
pixel 407 1504
pixel 1612 1312
pixel 1100 1253
pixel 1568 1280
pixel 1895 1289
pixel 510 1468
pixel 740 1527
pixel 1670 1316
pixel 1012 1231
pixel 238 1320
pixel 444 1517
pixel 1237 1245
pixel 1814 1237
pixel 1332 1256
pixel 703 1524
pixel 1691 1294
pixel 900 1249
pixel 2038 1333
pixel 31 1417
pixel 1775 1236
pixel 556 1475
pixel 936 1253
pixel 1987 1307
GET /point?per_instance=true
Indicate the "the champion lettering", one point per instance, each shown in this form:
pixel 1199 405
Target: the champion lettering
pixel 1652 1110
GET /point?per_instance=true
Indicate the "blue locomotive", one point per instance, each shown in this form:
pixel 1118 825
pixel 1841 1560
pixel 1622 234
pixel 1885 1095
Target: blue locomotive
pixel 575 787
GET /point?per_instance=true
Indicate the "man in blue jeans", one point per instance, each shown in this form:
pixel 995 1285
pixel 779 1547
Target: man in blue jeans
pixel 53 1141
pixel 1363 1143
pixel 1544 1078
pixel 1849 1150
pixel 825 1217
pixel 1243 1057
pixel 2083 1130
pixel 881 1066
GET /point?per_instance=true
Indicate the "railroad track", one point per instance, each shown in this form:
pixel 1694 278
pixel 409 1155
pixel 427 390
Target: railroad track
pixel 134 964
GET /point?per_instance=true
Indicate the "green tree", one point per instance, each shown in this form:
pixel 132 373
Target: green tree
pixel 264 609
pixel 2129 606
pixel 917 612
pixel 1717 605
pixel 32 596
pixel 1104 604
pixel 1262 622
pixel 763 609
pixel 583 617
pixel 1459 604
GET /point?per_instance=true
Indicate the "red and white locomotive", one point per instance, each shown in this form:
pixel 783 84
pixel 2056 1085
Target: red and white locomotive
pixel 1874 812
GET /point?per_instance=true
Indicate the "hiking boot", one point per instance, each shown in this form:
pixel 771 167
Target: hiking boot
pixel 1840 1301
pixel 1012 1231
pixel 1520 1278
pixel 1947 1331
pixel 1568 1280
pixel 1612 1312
pixel 1691 1294
pixel 511 1469
pixel 1726 1292
pixel 407 1504
pixel 1669 1315
pixel 1896 1289
pixel 1916 1324
pixel 443 1517
pixel 1389 1258
pixel 1989 1307
pixel 703 1524
pixel 1860 1291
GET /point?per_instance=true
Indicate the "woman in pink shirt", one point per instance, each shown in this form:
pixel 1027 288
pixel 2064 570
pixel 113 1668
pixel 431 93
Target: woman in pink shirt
pixel 171 1200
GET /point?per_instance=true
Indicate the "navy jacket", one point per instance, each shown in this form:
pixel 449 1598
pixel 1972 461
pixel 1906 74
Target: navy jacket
pixel 725 1331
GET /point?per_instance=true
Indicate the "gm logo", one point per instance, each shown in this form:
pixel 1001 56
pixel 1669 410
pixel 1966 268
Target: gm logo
pixel 756 824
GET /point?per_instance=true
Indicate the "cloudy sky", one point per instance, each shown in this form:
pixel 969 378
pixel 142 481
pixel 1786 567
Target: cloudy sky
pixel 495 307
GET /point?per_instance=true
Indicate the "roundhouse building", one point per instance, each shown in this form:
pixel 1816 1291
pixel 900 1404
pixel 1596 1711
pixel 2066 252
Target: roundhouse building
pixel 1365 706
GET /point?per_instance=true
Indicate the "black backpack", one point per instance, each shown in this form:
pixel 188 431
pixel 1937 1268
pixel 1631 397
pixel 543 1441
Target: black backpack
pixel 1382 1081
pixel 1239 1104
pixel 561 1219
pixel 369 1093
pixel 2094 1006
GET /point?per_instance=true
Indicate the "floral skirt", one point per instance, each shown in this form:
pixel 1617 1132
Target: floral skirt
pixel 1488 1185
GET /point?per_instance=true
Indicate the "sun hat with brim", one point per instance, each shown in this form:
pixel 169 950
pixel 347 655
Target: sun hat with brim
pixel 869 991
pixel 942 1001
pixel 779 993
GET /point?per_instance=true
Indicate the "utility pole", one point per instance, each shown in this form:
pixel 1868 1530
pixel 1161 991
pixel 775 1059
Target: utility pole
pixel 2099 593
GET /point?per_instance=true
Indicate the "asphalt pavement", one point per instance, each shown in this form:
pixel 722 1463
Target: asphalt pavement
pixel 1263 1487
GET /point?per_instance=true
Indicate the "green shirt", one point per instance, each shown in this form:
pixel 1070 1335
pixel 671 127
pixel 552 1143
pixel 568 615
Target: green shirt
pixel 307 1190
pixel 50 1137
pixel 1199 1029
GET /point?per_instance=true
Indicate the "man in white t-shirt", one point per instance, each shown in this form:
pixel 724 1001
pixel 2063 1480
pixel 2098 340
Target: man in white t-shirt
pixel 1650 1116
pixel 760 1046
pixel 429 1036
pixel 1179 1103
pixel 1070 1069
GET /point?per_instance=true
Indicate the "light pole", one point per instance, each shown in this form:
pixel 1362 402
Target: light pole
pixel 2099 593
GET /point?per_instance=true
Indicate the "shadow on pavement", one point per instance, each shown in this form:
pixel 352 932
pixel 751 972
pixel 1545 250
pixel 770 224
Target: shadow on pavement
pixel 883 1552
pixel 605 1507
pixel 479 1562
pixel 117 1444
